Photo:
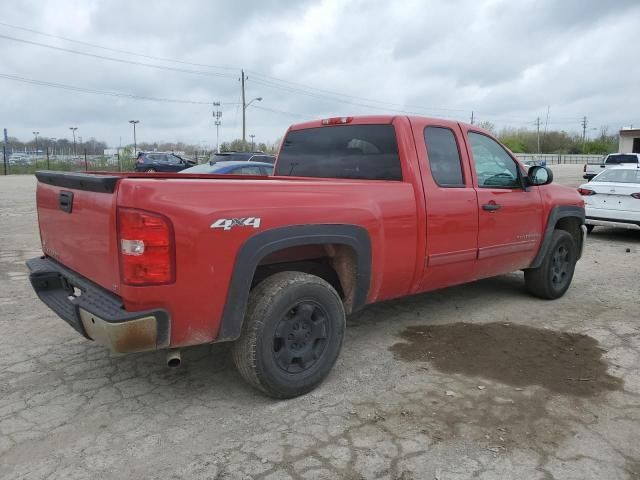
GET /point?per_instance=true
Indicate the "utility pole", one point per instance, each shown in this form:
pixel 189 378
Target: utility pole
pixel 472 118
pixel 538 128
pixel 73 129
pixel 244 109
pixel 253 148
pixel 217 114
pixel 135 141
pixel 584 131
pixel 245 104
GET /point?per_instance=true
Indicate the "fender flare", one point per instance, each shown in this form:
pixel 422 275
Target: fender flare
pixel 562 211
pixel 259 246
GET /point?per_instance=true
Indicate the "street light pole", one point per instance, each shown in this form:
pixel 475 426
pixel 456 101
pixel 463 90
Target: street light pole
pixel 244 107
pixel 135 141
pixel 73 129
pixel 35 134
pixel 217 114
pixel 252 142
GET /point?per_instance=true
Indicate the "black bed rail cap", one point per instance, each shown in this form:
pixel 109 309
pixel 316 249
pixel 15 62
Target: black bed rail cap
pixel 79 180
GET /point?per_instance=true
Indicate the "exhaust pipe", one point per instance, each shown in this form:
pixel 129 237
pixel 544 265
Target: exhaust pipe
pixel 173 358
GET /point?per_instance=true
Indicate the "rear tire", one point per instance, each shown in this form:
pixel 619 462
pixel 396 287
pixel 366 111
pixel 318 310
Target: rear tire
pixel 553 277
pixel 292 334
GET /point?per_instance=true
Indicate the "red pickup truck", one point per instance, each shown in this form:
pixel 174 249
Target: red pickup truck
pixel 359 210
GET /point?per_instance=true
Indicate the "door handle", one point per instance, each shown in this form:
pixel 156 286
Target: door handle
pixel 491 207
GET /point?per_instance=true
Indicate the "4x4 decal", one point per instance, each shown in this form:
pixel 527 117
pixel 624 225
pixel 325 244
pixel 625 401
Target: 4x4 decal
pixel 229 223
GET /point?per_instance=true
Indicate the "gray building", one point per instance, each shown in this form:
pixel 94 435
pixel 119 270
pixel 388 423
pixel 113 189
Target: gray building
pixel 629 140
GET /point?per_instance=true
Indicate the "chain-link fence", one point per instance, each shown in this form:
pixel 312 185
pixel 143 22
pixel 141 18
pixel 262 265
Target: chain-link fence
pixel 17 163
pixel 559 158
pixel 22 163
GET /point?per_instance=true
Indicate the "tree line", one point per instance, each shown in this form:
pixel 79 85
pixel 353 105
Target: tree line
pixel 92 146
pixel 525 140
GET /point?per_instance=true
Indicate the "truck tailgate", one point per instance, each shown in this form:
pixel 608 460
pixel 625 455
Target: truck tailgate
pixel 76 215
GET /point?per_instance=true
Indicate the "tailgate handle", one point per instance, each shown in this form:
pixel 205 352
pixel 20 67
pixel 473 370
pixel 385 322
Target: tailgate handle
pixel 66 201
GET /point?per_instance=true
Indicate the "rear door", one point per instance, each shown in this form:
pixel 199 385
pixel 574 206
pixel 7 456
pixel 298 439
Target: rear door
pixel 510 218
pixel 451 204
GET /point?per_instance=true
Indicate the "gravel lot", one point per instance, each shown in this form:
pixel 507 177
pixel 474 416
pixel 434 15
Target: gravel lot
pixel 538 389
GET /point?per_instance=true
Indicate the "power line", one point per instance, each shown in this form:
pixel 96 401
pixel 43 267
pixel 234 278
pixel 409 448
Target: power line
pixel 282 112
pixel 103 92
pixel 265 78
pixel 115 50
pixel 261 79
pixel 119 60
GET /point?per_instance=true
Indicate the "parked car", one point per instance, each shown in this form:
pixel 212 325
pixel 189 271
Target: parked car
pixel 233 168
pixel 161 162
pixel 612 198
pixel 243 157
pixel 611 160
pixel 360 210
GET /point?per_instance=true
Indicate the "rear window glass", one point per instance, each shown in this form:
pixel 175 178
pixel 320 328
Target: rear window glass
pixel 621 175
pixel 367 152
pixel 622 159
pixel 444 157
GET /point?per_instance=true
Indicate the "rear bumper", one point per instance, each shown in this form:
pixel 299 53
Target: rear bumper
pixel 96 313
pixel 612 222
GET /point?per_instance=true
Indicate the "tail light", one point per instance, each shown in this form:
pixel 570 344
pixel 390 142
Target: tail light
pixel 586 191
pixel 337 120
pixel 146 246
pixel 636 195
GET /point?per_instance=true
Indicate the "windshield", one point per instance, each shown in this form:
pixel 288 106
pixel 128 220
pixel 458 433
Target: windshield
pixel 345 151
pixel 619 175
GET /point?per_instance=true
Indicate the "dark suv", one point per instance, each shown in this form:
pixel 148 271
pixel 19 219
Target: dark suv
pixel 161 162
pixel 242 157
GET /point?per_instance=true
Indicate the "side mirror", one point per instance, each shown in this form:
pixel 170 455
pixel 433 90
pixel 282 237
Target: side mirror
pixel 538 175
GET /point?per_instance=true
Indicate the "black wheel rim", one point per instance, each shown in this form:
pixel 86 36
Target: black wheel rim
pixel 300 337
pixel 560 266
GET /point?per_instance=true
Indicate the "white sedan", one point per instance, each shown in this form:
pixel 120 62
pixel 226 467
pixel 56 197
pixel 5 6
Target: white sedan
pixel 612 198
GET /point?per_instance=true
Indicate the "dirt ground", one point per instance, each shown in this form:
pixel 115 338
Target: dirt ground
pixel 476 381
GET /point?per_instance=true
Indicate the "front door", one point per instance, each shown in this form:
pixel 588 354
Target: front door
pixel 510 220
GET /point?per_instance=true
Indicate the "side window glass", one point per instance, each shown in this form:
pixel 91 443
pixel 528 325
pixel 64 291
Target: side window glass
pixel 494 166
pixel 444 157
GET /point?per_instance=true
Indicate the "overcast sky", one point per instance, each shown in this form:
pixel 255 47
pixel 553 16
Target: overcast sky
pixel 505 60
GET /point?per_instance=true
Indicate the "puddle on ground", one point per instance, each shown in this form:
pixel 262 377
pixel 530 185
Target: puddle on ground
pixel 518 355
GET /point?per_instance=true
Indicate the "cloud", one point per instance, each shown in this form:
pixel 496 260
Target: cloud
pixel 505 60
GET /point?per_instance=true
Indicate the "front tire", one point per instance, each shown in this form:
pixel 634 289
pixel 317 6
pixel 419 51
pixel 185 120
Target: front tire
pixel 552 279
pixel 292 334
